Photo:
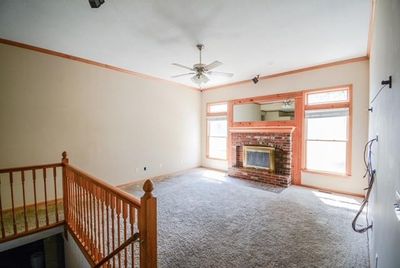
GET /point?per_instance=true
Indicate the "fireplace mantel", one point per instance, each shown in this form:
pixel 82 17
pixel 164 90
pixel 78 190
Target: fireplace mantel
pixel 265 129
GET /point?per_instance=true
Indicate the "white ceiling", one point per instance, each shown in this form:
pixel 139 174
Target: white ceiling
pixel 146 36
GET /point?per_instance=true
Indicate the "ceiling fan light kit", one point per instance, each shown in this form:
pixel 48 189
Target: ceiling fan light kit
pixel 200 70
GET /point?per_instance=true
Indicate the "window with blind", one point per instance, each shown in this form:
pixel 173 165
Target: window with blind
pixel 327 131
pixel 217 137
pixel 217 131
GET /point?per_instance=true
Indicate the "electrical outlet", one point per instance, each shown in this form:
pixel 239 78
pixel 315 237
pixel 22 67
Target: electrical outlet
pixel 377 136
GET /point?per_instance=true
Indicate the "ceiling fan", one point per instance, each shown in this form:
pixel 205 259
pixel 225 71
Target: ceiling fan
pixel 200 70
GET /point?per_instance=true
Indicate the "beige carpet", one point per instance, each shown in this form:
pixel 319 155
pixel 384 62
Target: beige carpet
pixel 30 217
pixel 208 220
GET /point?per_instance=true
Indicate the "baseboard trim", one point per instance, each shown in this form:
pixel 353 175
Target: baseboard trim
pixel 215 169
pixel 156 178
pixel 327 190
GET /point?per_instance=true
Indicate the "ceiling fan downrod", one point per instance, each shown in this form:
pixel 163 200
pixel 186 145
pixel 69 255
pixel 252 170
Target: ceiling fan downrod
pixel 200 47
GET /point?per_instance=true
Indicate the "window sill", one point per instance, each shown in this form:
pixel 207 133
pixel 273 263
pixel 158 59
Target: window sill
pixel 326 173
pixel 214 158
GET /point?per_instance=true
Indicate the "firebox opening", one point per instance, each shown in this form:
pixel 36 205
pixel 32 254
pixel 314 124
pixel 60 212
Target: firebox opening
pixel 259 157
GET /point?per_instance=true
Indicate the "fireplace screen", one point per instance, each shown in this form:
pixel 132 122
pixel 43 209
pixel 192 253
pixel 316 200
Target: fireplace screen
pixel 259 157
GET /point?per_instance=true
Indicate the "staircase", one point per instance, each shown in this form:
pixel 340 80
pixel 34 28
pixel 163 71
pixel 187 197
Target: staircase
pixel 111 227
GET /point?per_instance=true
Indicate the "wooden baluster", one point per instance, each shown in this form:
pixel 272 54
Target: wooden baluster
pixel 90 218
pixel 77 212
pixel 70 207
pixel 125 216
pixel 82 208
pixel 35 197
pixel 55 191
pixel 84 218
pixel 94 221
pixel 66 198
pixel 102 221
pixel 87 206
pixel 98 223
pixel 132 222
pixel 23 199
pixel 112 225
pixel 64 162
pixel 148 227
pixel 108 222
pixel 71 199
pixel 87 228
pixel 81 216
pixel 73 210
pixel 3 233
pixel 12 202
pixel 45 195
pixel 77 220
pixel 119 228
pixel 78 207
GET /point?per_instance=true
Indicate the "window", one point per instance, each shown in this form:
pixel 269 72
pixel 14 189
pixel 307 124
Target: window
pixel 217 137
pixel 340 95
pixel 217 108
pixel 327 131
pixel 217 131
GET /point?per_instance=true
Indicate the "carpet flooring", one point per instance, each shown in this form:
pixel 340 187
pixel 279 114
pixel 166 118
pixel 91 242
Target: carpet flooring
pixel 7 217
pixel 206 219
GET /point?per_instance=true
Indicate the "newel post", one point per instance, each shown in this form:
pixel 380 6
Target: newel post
pixel 64 162
pixel 148 227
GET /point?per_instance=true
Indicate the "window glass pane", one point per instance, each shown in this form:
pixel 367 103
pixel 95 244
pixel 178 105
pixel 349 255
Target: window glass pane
pixel 327 97
pixel 217 147
pixel 218 108
pixel 326 156
pixel 217 127
pixel 328 128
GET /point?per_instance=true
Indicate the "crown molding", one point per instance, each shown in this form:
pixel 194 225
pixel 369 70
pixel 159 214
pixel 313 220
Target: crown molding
pixel 311 68
pixel 87 61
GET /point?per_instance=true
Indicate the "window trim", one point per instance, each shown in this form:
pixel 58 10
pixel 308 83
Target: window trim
pixel 210 115
pixel 331 105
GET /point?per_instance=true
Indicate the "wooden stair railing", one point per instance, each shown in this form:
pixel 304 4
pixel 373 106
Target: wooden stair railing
pixel 30 200
pixel 111 227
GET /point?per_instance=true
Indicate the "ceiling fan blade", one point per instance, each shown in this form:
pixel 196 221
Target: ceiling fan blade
pixel 212 65
pixel 182 66
pixel 220 74
pixel 179 75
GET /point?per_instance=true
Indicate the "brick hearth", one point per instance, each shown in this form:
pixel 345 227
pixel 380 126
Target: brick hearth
pixel 282 142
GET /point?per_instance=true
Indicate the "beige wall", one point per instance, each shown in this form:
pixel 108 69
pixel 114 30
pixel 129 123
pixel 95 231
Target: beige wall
pixel 112 124
pixel 73 255
pixel 353 73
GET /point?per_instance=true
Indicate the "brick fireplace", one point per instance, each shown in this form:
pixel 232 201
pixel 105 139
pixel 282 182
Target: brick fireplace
pixel 280 140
